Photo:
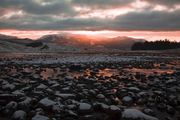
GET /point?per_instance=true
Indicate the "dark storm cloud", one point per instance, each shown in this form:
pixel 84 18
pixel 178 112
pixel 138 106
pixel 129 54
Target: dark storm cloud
pixel 30 6
pixel 65 24
pixel 61 15
pixel 102 3
pixel 154 20
pixel 160 21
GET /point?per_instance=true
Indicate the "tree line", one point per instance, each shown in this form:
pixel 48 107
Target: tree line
pixel 156 45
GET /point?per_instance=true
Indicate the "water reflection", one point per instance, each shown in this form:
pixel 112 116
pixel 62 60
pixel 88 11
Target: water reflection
pixel 59 73
pixel 150 71
pixel 48 73
pixel 55 72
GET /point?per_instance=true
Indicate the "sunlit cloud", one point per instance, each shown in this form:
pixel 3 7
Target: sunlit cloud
pixel 96 16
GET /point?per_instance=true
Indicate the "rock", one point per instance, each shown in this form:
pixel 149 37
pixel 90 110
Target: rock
pixel 100 107
pixel 114 108
pixel 19 115
pixel 93 117
pixel 46 103
pixel 161 106
pixel 50 91
pixel 85 108
pixel 11 105
pixel 55 86
pixel 40 117
pixel 66 88
pixel 127 100
pixel 149 111
pixel 41 87
pixel 134 114
pixel 8 86
pixel 168 118
pixel 64 95
pixel 100 96
pixel 39 111
pixel 26 102
pixel 8 97
pixel 114 113
pixel 171 82
pixel 71 107
pixel 170 110
pixel 134 89
pixel 72 114
pixel 18 92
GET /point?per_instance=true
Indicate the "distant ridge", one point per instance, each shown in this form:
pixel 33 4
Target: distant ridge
pixel 65 42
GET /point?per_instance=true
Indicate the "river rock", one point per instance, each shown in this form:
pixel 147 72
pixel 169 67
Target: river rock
pixel 19 115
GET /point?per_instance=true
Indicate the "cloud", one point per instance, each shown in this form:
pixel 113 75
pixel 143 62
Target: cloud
pixel 62 15
pixel 152 20
pixel 102 3
pixel 169 3
pixel 48 23
pixel 39 7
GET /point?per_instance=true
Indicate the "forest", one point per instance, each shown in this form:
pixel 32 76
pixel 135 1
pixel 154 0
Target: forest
pixel 156 45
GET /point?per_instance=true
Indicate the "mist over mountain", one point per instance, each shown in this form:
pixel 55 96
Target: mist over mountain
pixel 65 42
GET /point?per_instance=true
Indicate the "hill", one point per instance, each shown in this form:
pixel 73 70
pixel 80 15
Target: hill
pixel 65 43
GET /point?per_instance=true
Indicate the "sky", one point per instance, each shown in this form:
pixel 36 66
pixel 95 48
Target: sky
pixel 148 19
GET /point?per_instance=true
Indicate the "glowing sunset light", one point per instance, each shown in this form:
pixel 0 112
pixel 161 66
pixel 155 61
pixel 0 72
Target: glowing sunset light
pixel 148 35
pixel 146 19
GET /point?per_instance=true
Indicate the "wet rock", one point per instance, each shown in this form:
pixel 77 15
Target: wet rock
pixel 7 98
pixel 64 95
pixel 133 89
pixel 100 96
pixel 18 92
pixel 39 111
pixel 40 117
pixel 94 117
pixel 149 111
pixel 46 103
pixel 168 118
pixel 114 108
pixel 161 106
pixel 170 110
pixel 10 108
pixel 127 100
pixel 19 115
pixel 100 107
pixel 41 87
pixel 55 86
pixel 171 82
pixel 25 104
pixel 84 108
pixel 114 113
pixel 11 105
pixel 8 86
pixel 134 114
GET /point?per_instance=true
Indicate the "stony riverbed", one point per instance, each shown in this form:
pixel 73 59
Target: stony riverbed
pixel 96 87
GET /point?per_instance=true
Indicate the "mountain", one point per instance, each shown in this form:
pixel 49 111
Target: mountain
pixel 65 42
pixel 13 44
pixel 120 42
